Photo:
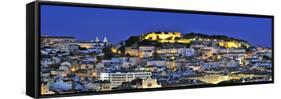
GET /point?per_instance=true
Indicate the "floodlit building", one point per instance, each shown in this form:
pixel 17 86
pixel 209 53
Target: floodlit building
pixel 131 51
pixel 146 51
pixel 118 78
pixel 175 51
pixel 163 36
pixel 52 40
pixel 233 53
pixel 167 51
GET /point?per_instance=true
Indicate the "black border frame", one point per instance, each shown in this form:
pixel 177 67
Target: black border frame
pixel 37 89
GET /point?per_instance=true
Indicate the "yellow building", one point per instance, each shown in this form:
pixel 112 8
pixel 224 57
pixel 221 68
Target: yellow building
pixel 85 44
pixel 131 51
pixel 229 44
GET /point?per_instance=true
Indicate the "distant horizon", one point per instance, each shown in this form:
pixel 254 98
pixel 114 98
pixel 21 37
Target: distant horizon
pixel 101 38
pixel 117 25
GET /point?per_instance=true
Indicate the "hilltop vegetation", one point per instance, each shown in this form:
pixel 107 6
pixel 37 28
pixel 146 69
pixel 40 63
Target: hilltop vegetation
pixel 177 39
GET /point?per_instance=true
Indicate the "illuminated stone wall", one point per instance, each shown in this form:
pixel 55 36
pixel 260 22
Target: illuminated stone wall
pixel 166 37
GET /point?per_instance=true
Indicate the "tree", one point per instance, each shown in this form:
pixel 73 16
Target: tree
pixel 108 54
pixel 132 40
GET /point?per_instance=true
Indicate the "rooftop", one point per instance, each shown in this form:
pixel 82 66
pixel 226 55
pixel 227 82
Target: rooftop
pixel 69 37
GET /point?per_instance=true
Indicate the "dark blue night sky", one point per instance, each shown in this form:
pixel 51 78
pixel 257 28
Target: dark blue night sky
pixel 117 25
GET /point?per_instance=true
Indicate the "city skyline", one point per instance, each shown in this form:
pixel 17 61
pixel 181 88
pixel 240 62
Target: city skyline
pixel 94 22
pixel 156 51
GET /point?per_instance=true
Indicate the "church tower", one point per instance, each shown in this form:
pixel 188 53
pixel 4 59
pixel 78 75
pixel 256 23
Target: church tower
pixel 97 39
pixel 105 40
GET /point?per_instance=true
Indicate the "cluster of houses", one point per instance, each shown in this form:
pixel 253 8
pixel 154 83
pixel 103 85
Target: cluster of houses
pixel 69 65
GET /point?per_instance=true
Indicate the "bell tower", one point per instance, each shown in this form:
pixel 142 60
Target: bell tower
pixel 97 39
pixel 105 40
